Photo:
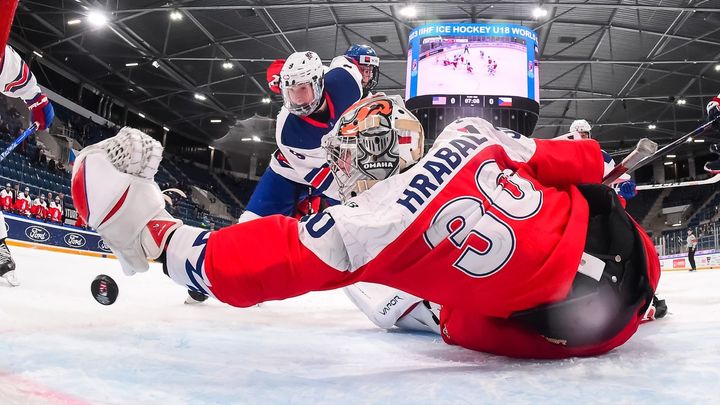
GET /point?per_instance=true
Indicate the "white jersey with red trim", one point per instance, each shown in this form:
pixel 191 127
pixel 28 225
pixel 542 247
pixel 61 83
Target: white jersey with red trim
pixel 16 79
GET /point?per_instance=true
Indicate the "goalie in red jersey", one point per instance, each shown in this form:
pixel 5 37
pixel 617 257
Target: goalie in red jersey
pixel 528 255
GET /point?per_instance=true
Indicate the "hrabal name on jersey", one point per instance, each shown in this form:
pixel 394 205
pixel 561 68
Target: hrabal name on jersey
pixel 445 161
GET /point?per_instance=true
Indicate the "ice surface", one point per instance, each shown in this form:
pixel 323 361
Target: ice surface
pixel 58 346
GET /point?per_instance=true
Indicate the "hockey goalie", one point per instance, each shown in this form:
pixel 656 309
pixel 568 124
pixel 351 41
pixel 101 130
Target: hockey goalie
pixel 526 252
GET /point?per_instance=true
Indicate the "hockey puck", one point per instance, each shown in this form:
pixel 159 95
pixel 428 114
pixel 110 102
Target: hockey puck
pixel 104 289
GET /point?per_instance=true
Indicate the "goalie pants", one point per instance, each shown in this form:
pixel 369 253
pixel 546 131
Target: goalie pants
pixel 596 317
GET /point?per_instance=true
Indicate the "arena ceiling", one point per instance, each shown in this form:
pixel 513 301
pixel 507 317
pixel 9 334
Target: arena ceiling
pixel 621 64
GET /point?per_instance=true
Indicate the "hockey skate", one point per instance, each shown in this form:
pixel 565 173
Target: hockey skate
pixel 114 191
pixel 195 298
pixel 7 266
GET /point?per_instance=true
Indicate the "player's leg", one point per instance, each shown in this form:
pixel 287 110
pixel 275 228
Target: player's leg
pixel 387 307
pixel 7 264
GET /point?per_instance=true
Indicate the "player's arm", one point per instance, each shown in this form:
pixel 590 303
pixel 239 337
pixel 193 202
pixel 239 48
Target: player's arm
pixel 342 68
pixel 274 194
pixel 17 81
pixel 555 163
pixel 565 162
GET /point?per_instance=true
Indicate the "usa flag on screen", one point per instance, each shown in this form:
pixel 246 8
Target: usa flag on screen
pixel 439 100
pixel 505 101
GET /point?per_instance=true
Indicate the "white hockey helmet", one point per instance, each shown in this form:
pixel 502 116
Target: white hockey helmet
pixel 377 137
pixel 302 73
pixel 580 126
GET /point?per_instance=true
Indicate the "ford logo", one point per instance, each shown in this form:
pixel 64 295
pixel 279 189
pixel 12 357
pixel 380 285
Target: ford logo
pixel 74 240
pixel 37 233
pixel 103 246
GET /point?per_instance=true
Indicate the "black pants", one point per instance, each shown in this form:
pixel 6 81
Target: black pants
pixel 596 311
pixel 691 258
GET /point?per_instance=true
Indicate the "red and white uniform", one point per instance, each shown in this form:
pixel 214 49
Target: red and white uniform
pixel 55 211
pixel 39 208
pixel 23 204
pixel 6 200
pixel 16 79
pixel 460 228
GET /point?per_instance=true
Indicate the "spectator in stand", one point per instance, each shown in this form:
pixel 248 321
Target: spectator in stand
pixel 60 167
pixel 7 198
pixel 39 208
pixel 22 202
pixel 55 211
pixel 51 166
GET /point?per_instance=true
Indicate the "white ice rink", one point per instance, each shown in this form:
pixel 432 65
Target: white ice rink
pixel 510 78
pixel 58 346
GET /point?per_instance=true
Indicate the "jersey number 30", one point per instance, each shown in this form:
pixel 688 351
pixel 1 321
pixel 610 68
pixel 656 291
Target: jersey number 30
pixel 484 241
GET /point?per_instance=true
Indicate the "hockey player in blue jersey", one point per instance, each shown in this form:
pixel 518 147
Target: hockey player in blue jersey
pixel 313 99
pixel 368 63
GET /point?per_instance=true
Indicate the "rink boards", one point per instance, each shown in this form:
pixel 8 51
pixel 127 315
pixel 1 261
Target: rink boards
pixel 26 232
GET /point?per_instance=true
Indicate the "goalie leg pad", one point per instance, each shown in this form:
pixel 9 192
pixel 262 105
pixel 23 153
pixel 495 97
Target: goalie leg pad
pixel 387 307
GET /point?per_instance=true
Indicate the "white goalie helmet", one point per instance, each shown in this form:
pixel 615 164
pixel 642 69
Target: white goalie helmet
pixel 580 126
pixel 301 82
pixel 377 137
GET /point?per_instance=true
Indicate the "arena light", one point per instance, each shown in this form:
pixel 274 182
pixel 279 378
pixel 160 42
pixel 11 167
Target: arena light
pixel 156 64
pixel 651 126
pixel 671 156
pixel 227 65
pixel 97 18
pixel 699 140
pixel 682 101
pixel 141 115
pixel 669 163
pixel 74 22
pixel 166 129
pixel 246 139
pixel 266 100
pixel 255 138
pixel 408 11
pixel 200 97
pixel 176 15
pixel 717 68
pixel 215 121
pixel 539 12
pixel 131 64
pixel 38 54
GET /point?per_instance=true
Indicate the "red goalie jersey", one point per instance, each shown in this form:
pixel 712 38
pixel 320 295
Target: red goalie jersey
pixel 486 224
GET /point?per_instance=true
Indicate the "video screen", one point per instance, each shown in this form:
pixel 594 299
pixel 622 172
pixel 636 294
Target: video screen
pixel 473 59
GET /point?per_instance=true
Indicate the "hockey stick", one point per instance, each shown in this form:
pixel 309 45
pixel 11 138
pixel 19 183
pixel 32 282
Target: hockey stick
pixel 712 180
pixel 645 149
pixel 640 156
pixel 31 130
